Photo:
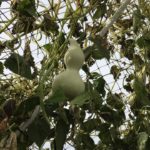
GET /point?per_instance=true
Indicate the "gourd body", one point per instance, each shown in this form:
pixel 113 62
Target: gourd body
pixel 69 80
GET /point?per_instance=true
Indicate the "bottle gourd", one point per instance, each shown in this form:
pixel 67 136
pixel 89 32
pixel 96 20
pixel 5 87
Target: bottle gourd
pixel 69 80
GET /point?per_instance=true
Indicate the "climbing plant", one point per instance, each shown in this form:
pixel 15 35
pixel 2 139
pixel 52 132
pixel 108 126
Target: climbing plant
pixel 115 38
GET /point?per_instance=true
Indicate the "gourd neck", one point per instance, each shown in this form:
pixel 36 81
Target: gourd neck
pixel 72 69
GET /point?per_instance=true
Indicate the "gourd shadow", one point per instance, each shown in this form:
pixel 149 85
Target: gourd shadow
pixel 69 80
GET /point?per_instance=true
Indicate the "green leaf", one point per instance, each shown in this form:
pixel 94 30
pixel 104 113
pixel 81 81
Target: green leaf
pixel 57 97
pixel 140 42
pixel 21 146
pixel 96 99
pixel 9 107
pixel 142 139
pixel 49 24
pixel 84 141
pixel 130 77
pixel 144 40
pixel 147 144
pixel 141 93
pixel 101 10
pixel 100 50
pixel 81 99
pixel 112 116
pixel 88 51
pixel 128 87
pixel 47 47
pixel 88 142
pixel 82 36
pixel 90 125
pixel 38 131
pixel 100 54
pixel 138 62
pixel 93 2
pixel 63 114
pixel 85 68
pixel 1 68
pixel 61 133
pixel 61 39
pixel 50 108
pixel 106 113
pixel 2 46
pixel 115 71
pixel 104 134
pixel 137 20
pixel 27 8
pixel 27 105
pixel 16 64
pixel 128 48
pixel 94 75
pixel 99 85
pixel 115 101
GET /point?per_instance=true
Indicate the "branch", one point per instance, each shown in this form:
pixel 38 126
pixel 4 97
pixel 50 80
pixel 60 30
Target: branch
pixel 113 19
pixel 26 124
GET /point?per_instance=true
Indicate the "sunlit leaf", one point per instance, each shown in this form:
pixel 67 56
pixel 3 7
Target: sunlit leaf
pixel 142 139
pixel 48 47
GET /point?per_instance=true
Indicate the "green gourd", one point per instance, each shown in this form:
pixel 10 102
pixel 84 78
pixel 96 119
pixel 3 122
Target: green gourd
pixel 69 80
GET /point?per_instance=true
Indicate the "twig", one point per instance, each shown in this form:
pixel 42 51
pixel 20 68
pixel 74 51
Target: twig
pixel 7 25
pixel 26 124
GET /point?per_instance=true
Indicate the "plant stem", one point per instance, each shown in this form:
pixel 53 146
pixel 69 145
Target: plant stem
pixel 7 25
pixel 26 124
pixel 114 18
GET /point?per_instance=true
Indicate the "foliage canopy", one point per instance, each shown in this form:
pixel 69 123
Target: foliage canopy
pixel 28 114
